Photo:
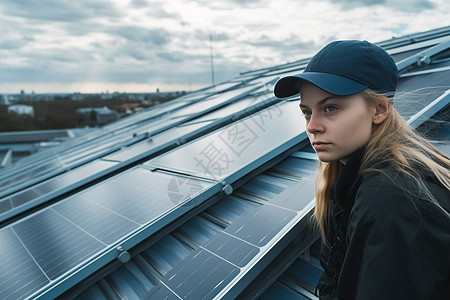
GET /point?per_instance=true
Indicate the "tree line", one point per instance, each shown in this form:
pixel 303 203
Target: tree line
pixel 60 112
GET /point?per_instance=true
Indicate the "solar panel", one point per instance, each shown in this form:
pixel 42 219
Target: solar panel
pixel 200 276
pixel 5 205
pixel 290 198
pixel 223 152
pixel 132 151
pixel 232 249
pixel 184 130
pixel 20 276
pixel 24 197
pixel 74 176
pixel 268 186
pixel 212 267
pixel 267 222
pixel 294 166
pixel 12 180
pixel 143 203
pixel 421 91
pixel 96 220
pixel 55 243
pixel 232 108
pixel 86 226
pixel 54 186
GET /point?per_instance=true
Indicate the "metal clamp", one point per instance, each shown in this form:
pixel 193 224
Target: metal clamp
pixel 227 188
pixel 124 256
pixel 423 60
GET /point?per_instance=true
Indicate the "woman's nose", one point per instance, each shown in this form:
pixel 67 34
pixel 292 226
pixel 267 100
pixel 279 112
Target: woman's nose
pixel 315 124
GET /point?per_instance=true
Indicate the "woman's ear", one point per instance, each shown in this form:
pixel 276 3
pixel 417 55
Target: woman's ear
pixel 381 110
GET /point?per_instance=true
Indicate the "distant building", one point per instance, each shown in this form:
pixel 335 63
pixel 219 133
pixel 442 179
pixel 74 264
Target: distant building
pixel 129 108
pixel 4 99
pixel 21 109
pixel 98 115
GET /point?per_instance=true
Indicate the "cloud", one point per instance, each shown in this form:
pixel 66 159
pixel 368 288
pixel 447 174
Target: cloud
pixel 166 42
pixel 59 10
pixel 8 42
pixel 155 36
pixel 405 5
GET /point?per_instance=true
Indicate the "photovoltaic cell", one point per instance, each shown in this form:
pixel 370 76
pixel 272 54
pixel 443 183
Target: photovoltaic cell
pixel 140 195
pixel 297 197
pixel 97 221
pixel 5 205
pixel 200 230
pixel 132 151
pixel 267 186
pixel 231 109
pixel 231 208
pixel 168 252
pixel 75 231
pixel 226 150
pixel 52 165
pixel 57 183
pixel 127 203
pixel 55 243
pixel 233 250
pixel 74 175
pixel 24 197
pixel 200 276
pixel 178 132
pixel 20 276
pixel 265 222
pixel 296 166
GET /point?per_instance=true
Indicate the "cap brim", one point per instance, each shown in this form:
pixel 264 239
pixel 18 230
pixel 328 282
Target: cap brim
pixel 330 83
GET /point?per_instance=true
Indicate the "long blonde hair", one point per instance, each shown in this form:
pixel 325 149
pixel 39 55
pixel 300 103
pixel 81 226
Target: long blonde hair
pixel 393 142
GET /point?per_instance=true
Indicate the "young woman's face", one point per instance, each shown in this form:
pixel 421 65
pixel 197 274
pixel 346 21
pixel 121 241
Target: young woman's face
pixel 336 125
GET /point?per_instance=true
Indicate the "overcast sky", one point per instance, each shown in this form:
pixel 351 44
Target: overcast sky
pixel 141 45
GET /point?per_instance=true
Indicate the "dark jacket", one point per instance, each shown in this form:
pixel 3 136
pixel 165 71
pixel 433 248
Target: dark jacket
pixel 383 242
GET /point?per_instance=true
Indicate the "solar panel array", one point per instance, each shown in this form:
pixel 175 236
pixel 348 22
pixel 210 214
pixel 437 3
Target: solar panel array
pixel 230 161
pixel 200 258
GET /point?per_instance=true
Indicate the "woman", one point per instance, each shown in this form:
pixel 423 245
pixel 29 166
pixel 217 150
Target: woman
pixel 382 192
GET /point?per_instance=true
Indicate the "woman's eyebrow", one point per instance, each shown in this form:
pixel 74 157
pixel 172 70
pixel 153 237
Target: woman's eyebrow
pixel 321 102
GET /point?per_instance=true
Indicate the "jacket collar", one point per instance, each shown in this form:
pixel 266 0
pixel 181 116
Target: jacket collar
pixel 348 182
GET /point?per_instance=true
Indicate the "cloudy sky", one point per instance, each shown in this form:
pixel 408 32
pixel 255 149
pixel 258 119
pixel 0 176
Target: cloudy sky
pixel 141 45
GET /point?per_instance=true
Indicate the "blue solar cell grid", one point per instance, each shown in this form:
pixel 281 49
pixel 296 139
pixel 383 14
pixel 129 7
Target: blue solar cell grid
pixel 225 151
pixel 59 239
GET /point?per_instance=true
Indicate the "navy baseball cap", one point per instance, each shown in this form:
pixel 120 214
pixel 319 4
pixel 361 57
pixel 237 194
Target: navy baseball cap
pixel 345 68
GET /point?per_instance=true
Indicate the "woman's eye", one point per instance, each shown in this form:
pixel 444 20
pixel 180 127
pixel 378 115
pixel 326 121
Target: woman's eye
pixel 330 108
pixel 306 113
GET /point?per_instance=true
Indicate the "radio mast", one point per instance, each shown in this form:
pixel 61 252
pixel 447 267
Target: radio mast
pixel 212 59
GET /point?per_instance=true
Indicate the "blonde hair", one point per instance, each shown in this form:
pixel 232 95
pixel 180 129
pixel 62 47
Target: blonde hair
pixel 393 143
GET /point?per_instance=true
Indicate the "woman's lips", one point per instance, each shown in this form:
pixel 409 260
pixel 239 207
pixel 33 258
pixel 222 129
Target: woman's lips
pixel 320 145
